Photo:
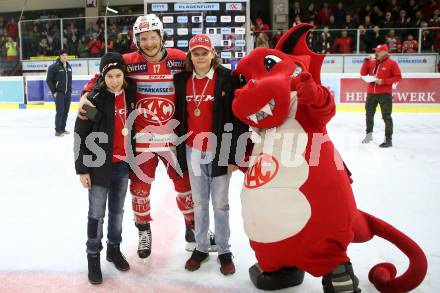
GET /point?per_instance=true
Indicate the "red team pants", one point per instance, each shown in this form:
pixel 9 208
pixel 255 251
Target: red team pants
pixel 140 191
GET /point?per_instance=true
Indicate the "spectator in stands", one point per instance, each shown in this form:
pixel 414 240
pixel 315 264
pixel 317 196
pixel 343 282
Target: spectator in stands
pixel 410 45
pixel 395 9
pixel 365 11
pixel 3 40
pixel 343 44
pixel 350 26
pixel 362 39
pixel 429 7
pixel 434 20
pixel 59 81
pixel 387 23
pixel 382 5
pixel 411 8
pixel 393 42
pixel 121 44
pixel 12 29
pixel 427 44
pixel 43 47
pixel 11 49
pixel 339 14
pixel 91 29
pixel 53 45
pixel 402 22
pixel 297 20
pixel 374 38
pixel 332 26
pixel 262 41
pixel 377 15
pixel 417 20
pixel 276 38
pixel 324 15
pixel 296 11
pixel 95 46
pixel 312 41
pixel 72 45
pixel 367 22
pixel 2 25
pixel 386 71
pixel 324 41
pixel 83 49
pixel 311 13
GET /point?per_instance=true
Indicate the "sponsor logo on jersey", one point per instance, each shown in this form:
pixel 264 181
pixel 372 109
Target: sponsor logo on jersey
pixel 155 109
pixel 137 67
pixel 262 171
pixel 175 64
pixel 207 98
pixel 155 88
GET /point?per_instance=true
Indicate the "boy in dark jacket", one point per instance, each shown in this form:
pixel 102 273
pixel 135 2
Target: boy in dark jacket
pixel 101 151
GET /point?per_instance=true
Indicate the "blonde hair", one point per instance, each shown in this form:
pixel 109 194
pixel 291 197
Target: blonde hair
pixel 215 62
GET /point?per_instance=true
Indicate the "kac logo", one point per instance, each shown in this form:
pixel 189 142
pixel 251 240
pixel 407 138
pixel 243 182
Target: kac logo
pixel 262 171
pixel 156 110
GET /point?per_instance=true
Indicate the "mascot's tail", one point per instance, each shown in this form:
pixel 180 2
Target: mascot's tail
pixel 383 275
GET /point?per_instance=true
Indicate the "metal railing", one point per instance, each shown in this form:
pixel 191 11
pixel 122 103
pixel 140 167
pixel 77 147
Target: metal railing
pixel 363 40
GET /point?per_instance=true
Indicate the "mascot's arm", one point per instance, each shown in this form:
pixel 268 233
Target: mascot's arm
pixel 320 102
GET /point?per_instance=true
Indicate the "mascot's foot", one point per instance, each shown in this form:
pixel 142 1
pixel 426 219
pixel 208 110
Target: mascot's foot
pixel 341 279
pixel 284 278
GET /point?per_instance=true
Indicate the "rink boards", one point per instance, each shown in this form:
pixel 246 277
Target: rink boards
pixel 417 92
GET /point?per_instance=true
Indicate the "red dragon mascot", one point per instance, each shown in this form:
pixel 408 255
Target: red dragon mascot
pixel 298 207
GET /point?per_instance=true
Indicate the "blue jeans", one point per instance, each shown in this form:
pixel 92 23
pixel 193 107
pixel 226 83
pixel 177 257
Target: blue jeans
pixel 203 187
pixel 97 203
pixel 62 103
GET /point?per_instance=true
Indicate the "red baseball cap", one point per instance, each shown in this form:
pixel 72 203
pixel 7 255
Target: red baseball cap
pixel 383 47
pixel 200 41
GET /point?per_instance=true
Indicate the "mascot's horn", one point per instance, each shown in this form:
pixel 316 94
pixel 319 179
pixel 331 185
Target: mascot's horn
pixel 294 42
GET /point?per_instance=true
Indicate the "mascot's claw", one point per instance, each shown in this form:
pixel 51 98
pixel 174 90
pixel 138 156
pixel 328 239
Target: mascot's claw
pixel 284 278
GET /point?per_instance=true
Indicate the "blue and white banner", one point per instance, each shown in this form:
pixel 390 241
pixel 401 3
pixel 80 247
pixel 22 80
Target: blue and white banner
pixel 159 7
pixel 196 6
pixel 11 89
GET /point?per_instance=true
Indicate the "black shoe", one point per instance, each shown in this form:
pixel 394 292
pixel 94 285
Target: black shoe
pixel 95 275
pixel 115 256
pixel 196 259
pixel 59 133
pixel 341 279
pixel 284 278
pixel 144 247
pixel 387 143
pixel 227 266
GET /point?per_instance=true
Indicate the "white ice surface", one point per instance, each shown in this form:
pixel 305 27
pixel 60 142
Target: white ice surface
pixel 43 211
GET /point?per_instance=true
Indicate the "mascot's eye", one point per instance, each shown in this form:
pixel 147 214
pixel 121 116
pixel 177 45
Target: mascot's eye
pixel 297 71
pixel 242 80
pixel 270 61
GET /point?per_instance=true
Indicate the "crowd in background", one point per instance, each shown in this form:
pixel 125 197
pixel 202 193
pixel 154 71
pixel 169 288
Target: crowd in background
pixel 82 37
pixel 393 22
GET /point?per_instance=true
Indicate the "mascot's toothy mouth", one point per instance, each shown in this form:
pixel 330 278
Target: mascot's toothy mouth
pixel 265 111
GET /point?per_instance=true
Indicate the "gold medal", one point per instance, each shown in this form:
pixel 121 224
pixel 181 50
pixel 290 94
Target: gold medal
pixel 124 131
pixel 197 112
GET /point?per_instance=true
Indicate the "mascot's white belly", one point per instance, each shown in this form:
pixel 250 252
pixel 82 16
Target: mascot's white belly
pixel 273 207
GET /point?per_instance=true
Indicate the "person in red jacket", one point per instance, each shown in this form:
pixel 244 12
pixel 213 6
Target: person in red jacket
pixel 410 45
pixel 384 72
pixel 343 44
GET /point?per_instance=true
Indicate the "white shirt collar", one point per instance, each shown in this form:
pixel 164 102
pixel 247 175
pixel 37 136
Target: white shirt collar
pixel 209 75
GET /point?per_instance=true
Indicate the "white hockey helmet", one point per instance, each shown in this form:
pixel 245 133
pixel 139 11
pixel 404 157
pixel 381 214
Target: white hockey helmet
pixel 146 23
